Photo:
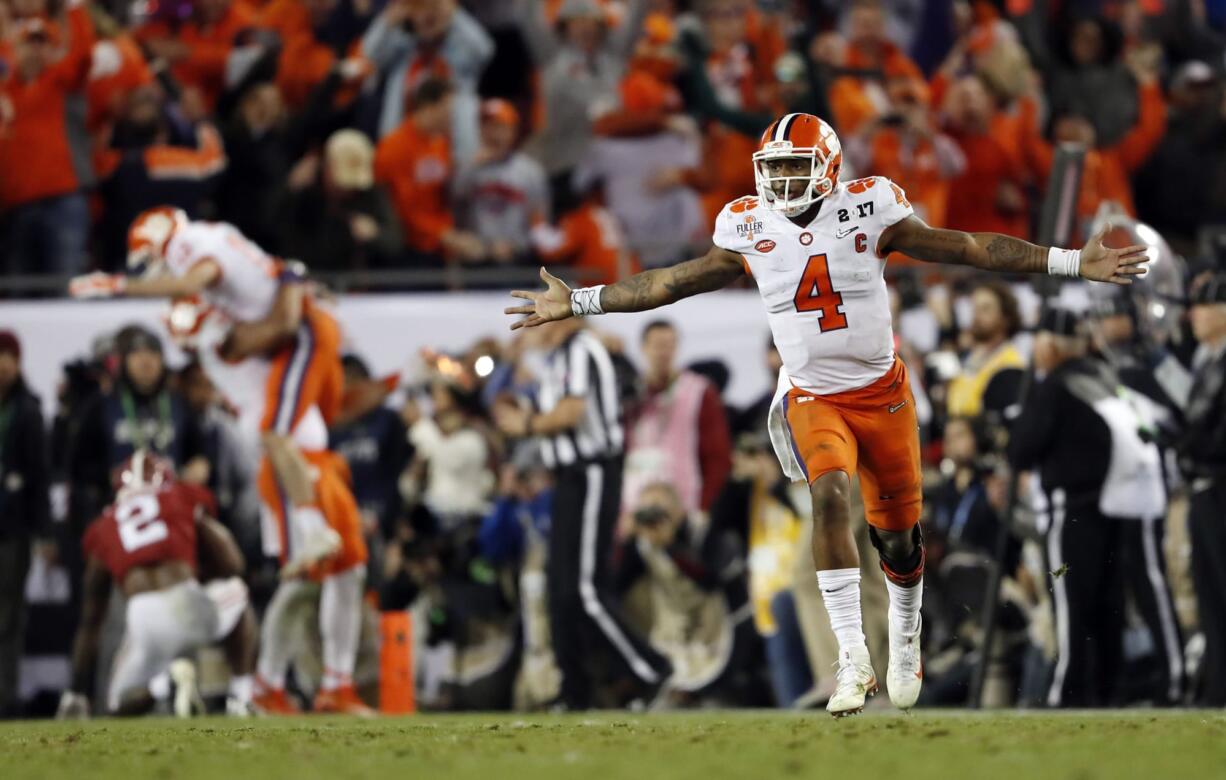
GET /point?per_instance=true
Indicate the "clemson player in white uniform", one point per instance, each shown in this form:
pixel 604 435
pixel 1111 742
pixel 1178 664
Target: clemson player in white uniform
pixel 224 351
pixel 214 261
pixel 816 248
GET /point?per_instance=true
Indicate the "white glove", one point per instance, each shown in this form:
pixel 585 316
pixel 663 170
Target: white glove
pixel 73 706
pixel 97 285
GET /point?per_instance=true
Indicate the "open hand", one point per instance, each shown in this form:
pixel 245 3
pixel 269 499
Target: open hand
pixel 1103 264
pixel 553 303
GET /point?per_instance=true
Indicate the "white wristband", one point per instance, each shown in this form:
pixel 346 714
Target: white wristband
pixel 1064 262
pixel 585 301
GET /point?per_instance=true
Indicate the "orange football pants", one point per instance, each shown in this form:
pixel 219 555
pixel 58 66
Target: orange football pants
pixel 872 432
pixel 305 373
pixel 333 498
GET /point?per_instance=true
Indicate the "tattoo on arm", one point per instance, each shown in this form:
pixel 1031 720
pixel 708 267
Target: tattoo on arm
pixel 662 286
pixel 1006 253
pixel 989 251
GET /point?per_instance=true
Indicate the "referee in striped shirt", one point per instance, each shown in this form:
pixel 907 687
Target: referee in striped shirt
pixel 578 421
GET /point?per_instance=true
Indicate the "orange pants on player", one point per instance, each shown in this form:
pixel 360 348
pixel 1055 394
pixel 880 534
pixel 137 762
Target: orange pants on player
pixel 305 373
pixel 873 432
pixel 333 498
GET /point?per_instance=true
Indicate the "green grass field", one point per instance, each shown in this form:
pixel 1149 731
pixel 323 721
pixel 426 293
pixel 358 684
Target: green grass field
pixel 752 745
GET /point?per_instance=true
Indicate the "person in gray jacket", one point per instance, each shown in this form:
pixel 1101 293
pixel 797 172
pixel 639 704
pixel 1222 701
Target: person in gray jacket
pixel 582 59
pixel 412 40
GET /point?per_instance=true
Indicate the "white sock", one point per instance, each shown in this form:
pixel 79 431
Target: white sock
pixel 241 687
pixel 340 626
pixel 905 604
pixel 279 634
pixel 841 593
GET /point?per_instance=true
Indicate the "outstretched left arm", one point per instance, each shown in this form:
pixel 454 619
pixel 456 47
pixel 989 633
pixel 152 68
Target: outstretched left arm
pixel 996 252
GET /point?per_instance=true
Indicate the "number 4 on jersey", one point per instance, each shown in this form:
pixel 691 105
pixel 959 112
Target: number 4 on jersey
pixel 816 293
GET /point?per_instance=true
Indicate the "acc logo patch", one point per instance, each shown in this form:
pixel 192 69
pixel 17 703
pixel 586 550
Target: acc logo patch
pixel 764 246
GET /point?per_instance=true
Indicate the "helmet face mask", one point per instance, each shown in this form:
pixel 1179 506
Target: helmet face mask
pixel 143 471
pixel 788 187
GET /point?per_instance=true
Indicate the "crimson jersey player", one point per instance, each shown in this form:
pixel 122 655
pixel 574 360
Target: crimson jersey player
pixel 152 542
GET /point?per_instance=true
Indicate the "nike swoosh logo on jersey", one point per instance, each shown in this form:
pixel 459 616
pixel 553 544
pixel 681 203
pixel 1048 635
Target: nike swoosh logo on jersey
pixel 897 406
pixel 845 233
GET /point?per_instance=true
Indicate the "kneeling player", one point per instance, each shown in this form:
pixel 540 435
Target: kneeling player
pixel 152 541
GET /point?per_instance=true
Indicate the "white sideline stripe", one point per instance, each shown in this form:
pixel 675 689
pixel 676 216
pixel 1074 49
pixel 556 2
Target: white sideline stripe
pixel 1059 597
pixel 1170 638
pixel 587 570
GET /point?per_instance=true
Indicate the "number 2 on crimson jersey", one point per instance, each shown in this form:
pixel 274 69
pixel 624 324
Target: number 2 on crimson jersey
pixel 139 521
pixel 816 293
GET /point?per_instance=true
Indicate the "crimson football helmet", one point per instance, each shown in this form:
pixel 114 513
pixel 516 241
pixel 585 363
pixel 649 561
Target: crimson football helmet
pixel 143 470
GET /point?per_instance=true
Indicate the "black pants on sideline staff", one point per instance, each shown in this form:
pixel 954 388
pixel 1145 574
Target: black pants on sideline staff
pixel 1087 586
pixel 1107 558
pixel 1144 564
pixel 1207 527
pixel 583 617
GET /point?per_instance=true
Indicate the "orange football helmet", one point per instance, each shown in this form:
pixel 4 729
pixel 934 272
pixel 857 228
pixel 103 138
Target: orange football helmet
pixel 149 234
pixel 791 136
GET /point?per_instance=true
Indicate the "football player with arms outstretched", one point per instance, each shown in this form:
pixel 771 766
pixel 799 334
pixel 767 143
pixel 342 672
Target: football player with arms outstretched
pixel 178 258
pixel 816 248
pixel 157 541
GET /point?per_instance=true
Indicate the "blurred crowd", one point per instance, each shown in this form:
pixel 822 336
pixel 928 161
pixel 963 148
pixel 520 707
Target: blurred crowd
pixel 603 134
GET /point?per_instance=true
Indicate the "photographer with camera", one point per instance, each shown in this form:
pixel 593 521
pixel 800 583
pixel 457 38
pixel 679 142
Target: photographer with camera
pixel 696 578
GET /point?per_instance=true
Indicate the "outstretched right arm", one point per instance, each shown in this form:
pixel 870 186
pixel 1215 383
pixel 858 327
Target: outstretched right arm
pixel 640 292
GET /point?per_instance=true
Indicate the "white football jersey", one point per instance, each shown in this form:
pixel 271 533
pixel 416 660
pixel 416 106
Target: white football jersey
pixel 823 284
pixel 248 284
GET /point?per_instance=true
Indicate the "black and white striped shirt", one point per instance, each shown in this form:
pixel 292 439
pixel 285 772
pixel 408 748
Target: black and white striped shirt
pixel 581 367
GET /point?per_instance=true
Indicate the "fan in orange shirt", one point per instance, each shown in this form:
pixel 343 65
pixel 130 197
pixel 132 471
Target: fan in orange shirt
pixel 305 61
pixel 414 163
pixel 903 146
pixel 988 196
pixel 855 100
pixel 589 239
pixel 117 68
pixel 1108 169
pixel 44 154
pixel 198 47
